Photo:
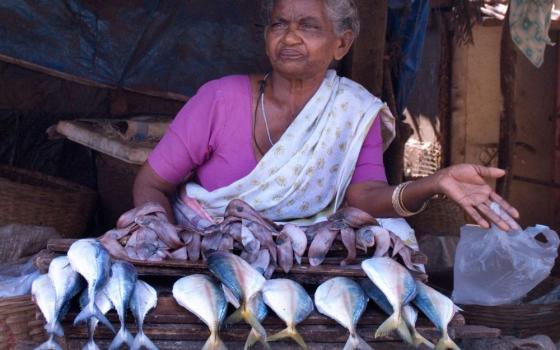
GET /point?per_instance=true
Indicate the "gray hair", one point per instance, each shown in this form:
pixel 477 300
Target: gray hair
pixel 342 13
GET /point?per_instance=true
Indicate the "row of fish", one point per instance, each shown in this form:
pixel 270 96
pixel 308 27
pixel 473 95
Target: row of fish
pixel 144 233
pixel 104 285
pixel 390 286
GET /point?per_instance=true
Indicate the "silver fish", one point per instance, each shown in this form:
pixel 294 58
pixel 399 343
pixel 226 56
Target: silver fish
pixel 91 260
pixel 203 297
pixel 104 305
pixel 409 333
pixel 343 300
pixel 119 289
pixel 291 303
pixel 398 286
pixel 439 309
pixel 143 299
pixel 243 281
pixel 259 309
pixel 66 282
pixel 44 295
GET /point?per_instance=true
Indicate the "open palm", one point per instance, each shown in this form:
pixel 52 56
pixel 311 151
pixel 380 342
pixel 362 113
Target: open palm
pixel 466 185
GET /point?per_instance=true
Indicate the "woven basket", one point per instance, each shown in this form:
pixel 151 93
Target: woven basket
pixel 33 198
pixel 442 217
pixel 20 320
pixel 522 320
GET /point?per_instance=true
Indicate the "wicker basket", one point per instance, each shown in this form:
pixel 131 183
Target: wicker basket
pixel 442 217
pixel 34 198
pixel 20 320
pixel 522 320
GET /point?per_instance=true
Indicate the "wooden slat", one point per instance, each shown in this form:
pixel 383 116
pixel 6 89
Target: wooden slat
pixel 197 345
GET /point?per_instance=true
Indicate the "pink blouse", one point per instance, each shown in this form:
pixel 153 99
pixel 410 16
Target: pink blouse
pixel 211 137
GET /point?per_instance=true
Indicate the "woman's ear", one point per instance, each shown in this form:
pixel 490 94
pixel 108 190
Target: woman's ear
pixel 344 45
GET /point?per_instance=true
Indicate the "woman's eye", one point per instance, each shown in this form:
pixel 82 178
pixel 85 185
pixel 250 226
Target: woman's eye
pixel 309 26
pixel 278 25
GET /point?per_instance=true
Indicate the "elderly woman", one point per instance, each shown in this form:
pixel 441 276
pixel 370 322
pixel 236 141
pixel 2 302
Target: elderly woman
pixel 298 142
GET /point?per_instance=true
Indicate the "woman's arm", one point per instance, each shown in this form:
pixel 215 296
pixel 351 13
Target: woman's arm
pixel 463 183
pixel 150 187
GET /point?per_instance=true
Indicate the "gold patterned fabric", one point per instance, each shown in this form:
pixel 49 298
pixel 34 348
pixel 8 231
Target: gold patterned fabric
pixel 304 176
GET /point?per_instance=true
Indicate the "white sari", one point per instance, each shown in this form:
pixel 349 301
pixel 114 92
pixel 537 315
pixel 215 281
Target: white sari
pixel 304 176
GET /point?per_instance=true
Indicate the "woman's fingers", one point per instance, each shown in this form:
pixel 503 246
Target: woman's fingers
pixel 504 205
pixel 475 215
pixel 495 218
pixel 490 171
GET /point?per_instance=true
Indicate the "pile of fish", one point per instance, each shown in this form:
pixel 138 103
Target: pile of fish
pixel 389 285
pixel 145 233
pixel 104 285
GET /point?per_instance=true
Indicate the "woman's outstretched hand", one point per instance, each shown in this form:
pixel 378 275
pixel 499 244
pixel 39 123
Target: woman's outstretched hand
pixel 466 185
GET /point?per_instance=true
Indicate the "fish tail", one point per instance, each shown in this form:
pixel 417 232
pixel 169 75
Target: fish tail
pixel 289 332
pixel 446 342
pixel 248 316
pixel 91 310
pixel 404 333
pixel 252 338
pixel 142 340
pixel 49 345
pixel 122 337
pixel 392 323
pixel 214 343
pixel 54 328
pixel 418 339
pixel 356 342
pixel 90 345
pixel 234 317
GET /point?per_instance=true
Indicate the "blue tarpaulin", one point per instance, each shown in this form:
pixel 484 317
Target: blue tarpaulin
pixel 144 45
pixel 407 25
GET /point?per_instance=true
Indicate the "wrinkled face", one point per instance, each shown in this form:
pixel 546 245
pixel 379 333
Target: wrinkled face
pixel 300 40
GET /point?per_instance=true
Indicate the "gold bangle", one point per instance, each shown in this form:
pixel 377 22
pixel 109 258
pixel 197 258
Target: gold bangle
pixel 398 203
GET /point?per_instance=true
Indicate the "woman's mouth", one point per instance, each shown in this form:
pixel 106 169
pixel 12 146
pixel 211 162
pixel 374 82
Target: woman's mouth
pixel 290 55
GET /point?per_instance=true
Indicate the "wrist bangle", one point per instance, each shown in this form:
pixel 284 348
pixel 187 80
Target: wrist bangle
pixel 398 203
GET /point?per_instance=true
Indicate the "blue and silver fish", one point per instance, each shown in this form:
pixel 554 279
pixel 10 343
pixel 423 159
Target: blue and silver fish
pixel 66 283
pixel 44 296
pixel 144 298
pixel 119 290
pixel 398 286
pixel 409 334
pixel 259 309
pixel 91 260
pixel 243 281
pixel 439 309
pixel 202 296
pixel 291 303
pixel 104 305
pixel 343 300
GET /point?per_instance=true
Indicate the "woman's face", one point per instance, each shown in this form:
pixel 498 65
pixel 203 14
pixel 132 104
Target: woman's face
pixel 300 40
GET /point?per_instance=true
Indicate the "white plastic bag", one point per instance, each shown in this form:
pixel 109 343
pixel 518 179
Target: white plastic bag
pixel 493 267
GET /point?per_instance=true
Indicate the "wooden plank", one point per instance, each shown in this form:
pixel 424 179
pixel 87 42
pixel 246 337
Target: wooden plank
pixel 508 126
pixel 197 345
pixel 369 47
pixel 320 273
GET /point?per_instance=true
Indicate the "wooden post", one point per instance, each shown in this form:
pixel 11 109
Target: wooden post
pixel 508 128
pixel 444 99
pixel 369 48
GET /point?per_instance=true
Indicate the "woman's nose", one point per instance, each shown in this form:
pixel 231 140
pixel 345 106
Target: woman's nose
pixel 291 37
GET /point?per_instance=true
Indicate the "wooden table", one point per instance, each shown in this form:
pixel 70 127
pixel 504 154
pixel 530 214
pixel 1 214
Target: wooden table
pixel 172 327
